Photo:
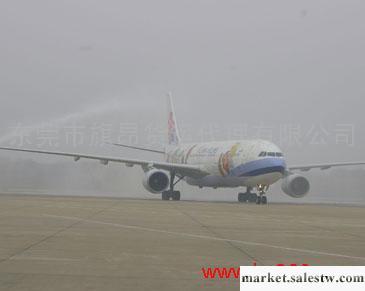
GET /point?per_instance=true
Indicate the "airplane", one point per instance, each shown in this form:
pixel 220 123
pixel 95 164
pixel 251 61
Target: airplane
pixel 253 164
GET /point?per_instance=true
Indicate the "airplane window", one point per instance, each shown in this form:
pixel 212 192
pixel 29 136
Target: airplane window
pixel 279 154
pixel 262 154
pixel 271 154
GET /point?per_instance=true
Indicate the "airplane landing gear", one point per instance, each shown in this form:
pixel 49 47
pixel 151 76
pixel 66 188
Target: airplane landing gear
pixel 174 195
pixel 247 197
pixel 262 199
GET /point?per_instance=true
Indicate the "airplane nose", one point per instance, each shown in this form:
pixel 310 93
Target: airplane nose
pixel 275 165
pixel 282 165
pixel 260 167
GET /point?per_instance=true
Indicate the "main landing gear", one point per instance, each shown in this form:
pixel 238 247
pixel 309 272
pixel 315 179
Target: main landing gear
pixel 174 195
pixel 249 197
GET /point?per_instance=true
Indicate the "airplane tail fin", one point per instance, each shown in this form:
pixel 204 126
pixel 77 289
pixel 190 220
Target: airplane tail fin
pixel 172 129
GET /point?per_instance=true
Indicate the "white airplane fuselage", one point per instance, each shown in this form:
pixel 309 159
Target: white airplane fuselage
pixel 231 164
pixel 254 164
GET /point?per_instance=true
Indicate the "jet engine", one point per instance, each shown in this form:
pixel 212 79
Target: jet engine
pixel 156 181
pixel 295 186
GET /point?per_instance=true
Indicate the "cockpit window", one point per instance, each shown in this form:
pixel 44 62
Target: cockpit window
pixel 271 154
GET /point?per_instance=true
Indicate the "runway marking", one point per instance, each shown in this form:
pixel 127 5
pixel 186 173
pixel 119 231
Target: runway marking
pixel 30 258
pixel 207 237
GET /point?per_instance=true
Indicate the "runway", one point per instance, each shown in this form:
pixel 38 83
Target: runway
pixel 73 243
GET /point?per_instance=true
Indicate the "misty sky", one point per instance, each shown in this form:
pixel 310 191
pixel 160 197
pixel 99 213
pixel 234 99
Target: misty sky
pixel 227 62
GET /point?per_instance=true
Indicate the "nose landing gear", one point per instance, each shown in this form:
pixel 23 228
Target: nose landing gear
pixel 262 199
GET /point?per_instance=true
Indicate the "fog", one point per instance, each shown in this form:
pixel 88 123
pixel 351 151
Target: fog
pixel 289 71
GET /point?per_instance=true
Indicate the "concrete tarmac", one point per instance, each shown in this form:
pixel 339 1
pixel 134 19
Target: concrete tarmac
pixel 73 243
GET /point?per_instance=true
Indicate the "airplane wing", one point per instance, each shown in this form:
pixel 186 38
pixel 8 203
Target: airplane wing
pixel 138 148
pixel 305 168
pixel 194 171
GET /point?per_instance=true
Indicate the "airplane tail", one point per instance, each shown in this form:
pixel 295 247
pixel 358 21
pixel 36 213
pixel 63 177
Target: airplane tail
pixel 172 129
